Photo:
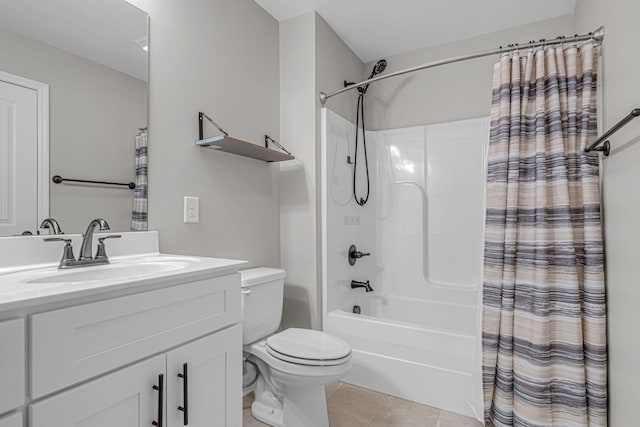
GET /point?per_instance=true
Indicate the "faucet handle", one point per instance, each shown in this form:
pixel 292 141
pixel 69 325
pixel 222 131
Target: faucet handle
pixel 67 254
pixel 110 236
pixel 58 239
pixel 101 252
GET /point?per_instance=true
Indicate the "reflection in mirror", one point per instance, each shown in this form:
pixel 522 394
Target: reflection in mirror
pixel 92 55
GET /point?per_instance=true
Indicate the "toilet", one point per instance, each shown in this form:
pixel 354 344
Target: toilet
pixel 294 365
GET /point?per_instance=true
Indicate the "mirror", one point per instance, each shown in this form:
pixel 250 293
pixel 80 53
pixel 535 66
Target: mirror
pixel 92 55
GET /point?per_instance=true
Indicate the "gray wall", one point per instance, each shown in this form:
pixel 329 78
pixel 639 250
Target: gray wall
pixel 450 92
pixel 312 58
pixel 297 200
pixel 220 57
pixel 621 202
pixel 335 63
pixel 95 112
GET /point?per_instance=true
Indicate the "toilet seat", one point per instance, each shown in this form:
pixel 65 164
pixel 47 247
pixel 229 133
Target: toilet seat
pixel 308 347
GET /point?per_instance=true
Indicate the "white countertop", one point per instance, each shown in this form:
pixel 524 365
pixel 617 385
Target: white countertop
pixel 27 285
pixel 23 287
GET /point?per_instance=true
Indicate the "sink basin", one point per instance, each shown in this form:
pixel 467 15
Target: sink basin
pixel 117 270
pixel 111 271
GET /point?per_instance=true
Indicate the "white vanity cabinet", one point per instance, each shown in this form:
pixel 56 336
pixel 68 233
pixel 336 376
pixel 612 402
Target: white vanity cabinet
pixel 151 393
pixel 160 356
pixel 12 368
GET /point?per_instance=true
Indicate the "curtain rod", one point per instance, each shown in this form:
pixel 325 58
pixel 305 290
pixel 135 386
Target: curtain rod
pixel 597 36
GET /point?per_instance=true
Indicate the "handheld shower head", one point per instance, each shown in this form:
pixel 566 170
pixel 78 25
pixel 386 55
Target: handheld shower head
pixel 378 68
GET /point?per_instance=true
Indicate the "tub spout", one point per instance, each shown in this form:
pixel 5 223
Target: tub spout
pixel 356 284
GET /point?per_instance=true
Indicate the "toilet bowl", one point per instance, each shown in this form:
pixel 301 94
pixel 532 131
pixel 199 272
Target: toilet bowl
pixel 293 365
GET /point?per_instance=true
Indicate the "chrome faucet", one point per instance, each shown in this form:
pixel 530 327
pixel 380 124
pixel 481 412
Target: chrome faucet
pixel 87 240
pixel 85 258
pixel 52 225
pixel 356 284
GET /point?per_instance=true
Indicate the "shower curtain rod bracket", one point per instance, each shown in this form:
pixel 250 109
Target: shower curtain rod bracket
pixel 323 98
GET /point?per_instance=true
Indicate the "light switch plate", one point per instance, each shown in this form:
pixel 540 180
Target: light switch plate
pixel 191 209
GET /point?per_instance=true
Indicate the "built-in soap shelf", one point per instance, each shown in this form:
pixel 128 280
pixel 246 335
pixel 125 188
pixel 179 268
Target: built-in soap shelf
pixel 236 146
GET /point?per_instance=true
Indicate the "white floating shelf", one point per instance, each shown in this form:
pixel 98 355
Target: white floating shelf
pixel 243 148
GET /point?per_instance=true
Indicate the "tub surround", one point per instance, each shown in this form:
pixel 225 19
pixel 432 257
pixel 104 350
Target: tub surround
pixel 423 225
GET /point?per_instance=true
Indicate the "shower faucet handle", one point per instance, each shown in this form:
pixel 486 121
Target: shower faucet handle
pixel 354 254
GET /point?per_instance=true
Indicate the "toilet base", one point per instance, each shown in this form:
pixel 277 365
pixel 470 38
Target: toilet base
pixel 266 414
pixel 305 406
pixel 299 406
pixel 291 395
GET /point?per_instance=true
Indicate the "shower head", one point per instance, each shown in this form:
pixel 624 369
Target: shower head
pixel 378 68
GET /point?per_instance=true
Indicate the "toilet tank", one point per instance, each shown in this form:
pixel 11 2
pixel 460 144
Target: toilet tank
pixel 262 295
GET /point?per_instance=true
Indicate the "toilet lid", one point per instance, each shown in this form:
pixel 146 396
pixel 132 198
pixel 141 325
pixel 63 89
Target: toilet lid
pixel 308 347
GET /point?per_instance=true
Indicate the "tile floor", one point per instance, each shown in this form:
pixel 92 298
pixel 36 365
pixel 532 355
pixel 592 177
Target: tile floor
pixel 351 406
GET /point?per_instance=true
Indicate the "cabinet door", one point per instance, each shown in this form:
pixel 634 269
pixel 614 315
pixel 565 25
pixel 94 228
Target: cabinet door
pixel 12 357
pixel 125 398
pixel 214 372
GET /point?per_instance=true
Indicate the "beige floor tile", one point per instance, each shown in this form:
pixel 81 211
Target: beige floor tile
pixel 449 419
pixel 354 406
pixel 343 417
pixel 403 413
pixel 329 389
pixel 351 406
pixel 247 400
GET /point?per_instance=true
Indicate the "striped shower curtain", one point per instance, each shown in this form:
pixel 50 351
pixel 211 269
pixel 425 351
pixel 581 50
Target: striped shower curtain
pixel 544 342
pixel 139 215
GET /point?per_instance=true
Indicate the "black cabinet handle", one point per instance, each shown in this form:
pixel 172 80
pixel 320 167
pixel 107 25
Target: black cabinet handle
pixel 185 394
pixel 160 388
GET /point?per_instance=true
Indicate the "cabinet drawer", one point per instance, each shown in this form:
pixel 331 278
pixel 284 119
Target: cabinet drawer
pixel 72 344
pixel 13 420
pixel 12 370
pixel 121 399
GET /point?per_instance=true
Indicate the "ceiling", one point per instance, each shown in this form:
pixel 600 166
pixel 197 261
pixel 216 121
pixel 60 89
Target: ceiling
pixel 376 29
pixel 103 31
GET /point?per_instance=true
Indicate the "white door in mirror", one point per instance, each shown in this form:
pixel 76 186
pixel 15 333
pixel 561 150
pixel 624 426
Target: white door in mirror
pixel 18 159
pixel 191 209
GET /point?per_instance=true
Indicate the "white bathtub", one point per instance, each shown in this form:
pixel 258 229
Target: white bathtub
pixel 432 363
